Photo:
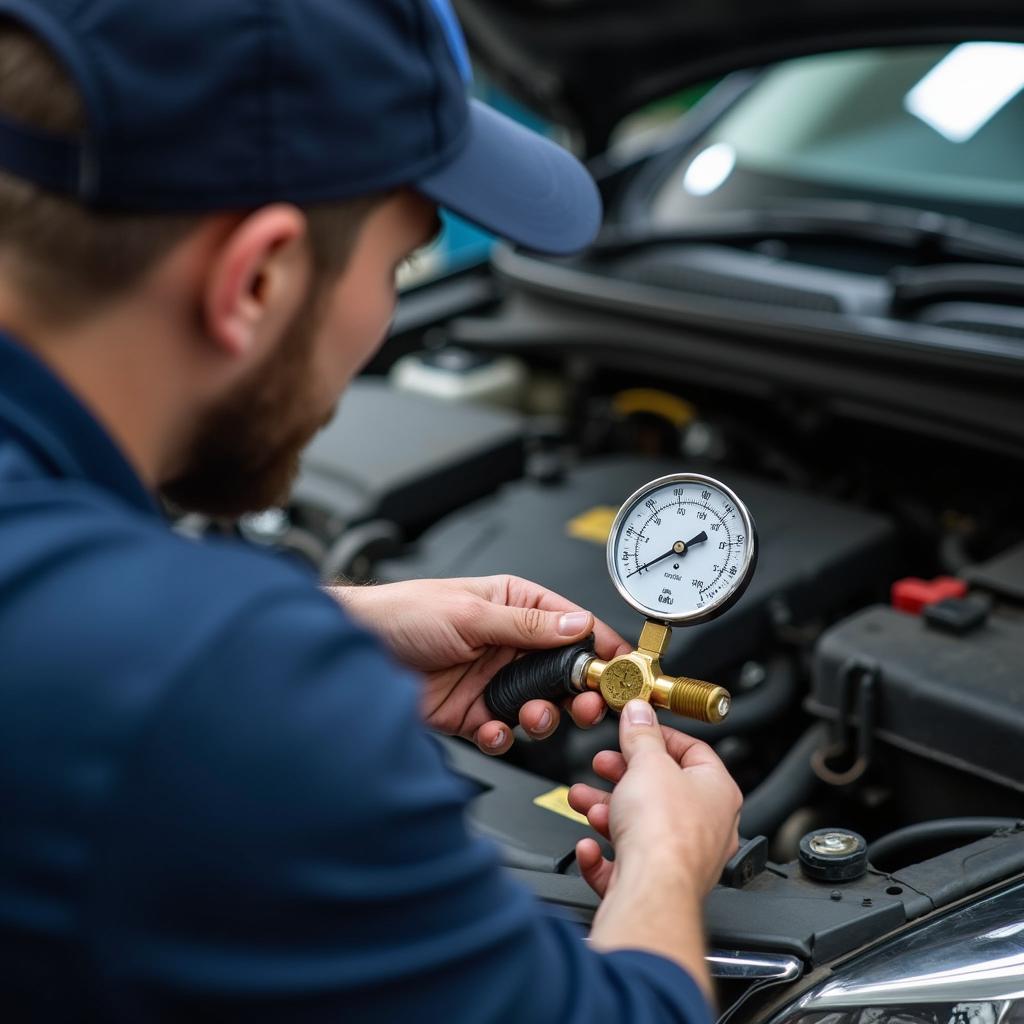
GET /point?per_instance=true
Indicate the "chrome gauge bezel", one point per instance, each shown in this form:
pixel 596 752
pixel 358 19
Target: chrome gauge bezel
pixel 719 605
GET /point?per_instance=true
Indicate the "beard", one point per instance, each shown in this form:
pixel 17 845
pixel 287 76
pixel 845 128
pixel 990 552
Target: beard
pixel 246 451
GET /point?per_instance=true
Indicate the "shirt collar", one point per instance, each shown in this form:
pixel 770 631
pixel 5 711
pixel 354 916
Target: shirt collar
pixel 43 414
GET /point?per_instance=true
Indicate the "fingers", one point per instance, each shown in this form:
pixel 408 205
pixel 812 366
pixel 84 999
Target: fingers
pixel 610 765
pixel 539 718
pixel 595 804
pixel 529 629
pixel 689 752
pixel 607 643
pixel 587 709
pixel 600 819
pixel 493 738
pixel 685 750
pixel 582 797
pixel 639 731
pixel 511 590
pixel 596 871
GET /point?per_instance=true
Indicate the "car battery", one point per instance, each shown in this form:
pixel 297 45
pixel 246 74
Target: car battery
pixel 947 688
pixel 816 558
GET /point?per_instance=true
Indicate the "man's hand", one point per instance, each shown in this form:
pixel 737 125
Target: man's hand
pixel 672 818
pixel 459 633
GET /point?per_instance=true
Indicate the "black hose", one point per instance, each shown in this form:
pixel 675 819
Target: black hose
pixel 788 786
pixel 543 675
pixel 772 698
pixel 930 831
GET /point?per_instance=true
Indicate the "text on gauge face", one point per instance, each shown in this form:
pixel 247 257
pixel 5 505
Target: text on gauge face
pixel 682 547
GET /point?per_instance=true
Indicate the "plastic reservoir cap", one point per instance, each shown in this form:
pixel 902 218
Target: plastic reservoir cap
pixel 913 595
pixel 833 855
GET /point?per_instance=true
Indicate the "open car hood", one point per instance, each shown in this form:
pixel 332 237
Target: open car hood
pixel 588 63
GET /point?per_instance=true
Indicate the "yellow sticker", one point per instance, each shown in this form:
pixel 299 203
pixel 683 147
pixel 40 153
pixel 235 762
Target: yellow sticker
pixel 558 801
pixel 594 525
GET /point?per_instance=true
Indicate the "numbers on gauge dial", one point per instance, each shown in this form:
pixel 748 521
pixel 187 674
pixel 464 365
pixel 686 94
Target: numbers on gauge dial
pixel 681 548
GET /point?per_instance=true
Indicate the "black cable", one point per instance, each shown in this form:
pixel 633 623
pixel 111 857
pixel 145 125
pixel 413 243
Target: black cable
pixel 767 703
pixel 929 831
pixel 788 786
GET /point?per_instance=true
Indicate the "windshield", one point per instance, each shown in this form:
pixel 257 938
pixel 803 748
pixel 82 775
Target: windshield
pixel 934 127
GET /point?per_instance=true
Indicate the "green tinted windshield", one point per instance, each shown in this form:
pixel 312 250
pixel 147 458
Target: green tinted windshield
pixel 913 124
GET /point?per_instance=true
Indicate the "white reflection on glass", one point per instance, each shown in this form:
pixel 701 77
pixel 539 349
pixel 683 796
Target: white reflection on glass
pixel 709 169
pixel 967 88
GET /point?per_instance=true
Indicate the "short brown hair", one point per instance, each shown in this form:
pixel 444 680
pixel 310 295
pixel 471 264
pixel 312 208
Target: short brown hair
pixel 66 260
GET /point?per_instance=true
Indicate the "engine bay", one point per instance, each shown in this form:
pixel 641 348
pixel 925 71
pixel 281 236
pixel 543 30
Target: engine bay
pixel 532 493
pixel 876 661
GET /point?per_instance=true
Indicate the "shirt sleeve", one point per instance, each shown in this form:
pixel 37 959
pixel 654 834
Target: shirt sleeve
pixel 286 844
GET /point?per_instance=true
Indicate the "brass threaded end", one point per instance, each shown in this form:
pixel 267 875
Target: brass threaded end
pixel 703 702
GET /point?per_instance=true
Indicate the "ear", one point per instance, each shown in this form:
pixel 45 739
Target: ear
pixel 257 279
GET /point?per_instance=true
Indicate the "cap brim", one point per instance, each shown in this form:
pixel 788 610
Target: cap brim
pixel 519 185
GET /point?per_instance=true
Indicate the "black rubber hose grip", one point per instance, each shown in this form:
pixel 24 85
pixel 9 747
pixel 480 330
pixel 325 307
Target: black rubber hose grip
pixel 545 675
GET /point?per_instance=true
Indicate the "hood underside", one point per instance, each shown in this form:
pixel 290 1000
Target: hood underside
pixel 589 63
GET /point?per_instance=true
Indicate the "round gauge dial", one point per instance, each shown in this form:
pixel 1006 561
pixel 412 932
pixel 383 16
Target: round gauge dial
pixel 682 548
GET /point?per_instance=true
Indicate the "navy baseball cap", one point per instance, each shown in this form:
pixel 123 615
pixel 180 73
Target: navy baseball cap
pixel 197 105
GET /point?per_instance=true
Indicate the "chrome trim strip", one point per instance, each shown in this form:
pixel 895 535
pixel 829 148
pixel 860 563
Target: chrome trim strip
pixel 734 965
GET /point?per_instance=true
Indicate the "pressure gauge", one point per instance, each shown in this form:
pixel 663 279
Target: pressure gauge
pixel 682 549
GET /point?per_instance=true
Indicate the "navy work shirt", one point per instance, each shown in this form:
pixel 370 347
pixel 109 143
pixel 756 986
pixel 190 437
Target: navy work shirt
pixel 217 800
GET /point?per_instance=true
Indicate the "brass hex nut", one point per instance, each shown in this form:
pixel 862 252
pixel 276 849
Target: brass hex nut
pixel 624 679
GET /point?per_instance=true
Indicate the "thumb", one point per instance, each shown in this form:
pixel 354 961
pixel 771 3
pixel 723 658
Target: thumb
pixel 639 730
pixel 531 628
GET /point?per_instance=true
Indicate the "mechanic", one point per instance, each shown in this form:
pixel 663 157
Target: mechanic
pixel 219 800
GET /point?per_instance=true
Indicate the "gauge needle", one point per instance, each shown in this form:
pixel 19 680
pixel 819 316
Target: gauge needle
pixel 679 548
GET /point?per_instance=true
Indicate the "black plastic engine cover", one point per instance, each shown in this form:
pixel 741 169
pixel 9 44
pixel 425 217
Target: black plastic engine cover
pixel 779 910
pixel 782 912
pixel 525 814
pixel 406 458
pixel 816 556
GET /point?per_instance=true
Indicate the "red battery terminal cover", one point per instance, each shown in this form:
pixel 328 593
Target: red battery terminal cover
pixel 913 595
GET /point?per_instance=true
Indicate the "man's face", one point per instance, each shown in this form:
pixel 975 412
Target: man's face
pixel 247 449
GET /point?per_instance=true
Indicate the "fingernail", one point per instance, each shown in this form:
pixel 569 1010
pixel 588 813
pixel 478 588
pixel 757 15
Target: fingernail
pixel 572 623
pixel 498 741
pixel 545 722
pixel 639 712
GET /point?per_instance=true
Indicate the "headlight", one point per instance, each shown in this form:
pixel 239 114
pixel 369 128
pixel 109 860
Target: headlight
pixel 966 967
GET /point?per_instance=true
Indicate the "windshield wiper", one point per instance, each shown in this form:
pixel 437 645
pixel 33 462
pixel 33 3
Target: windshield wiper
pixel 913 287
pixel 927 234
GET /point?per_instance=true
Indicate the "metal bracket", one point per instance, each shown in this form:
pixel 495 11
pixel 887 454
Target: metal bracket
pixel 858 685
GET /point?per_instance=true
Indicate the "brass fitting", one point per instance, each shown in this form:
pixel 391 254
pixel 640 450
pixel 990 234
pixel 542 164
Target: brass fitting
pixel 638 675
